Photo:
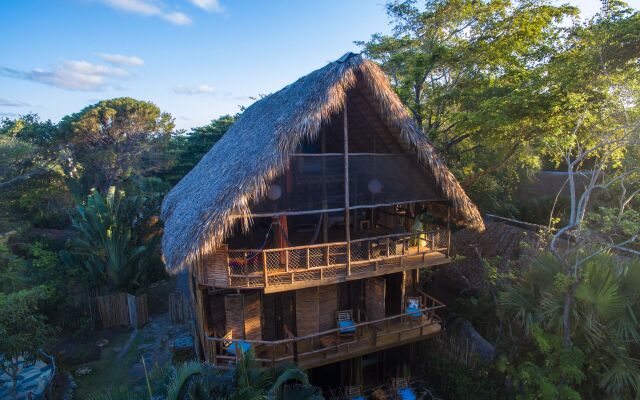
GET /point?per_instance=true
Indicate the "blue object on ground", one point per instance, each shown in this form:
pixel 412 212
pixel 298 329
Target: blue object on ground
pixel 358 398
pixel 34 381
pixel 407 394
pixel 413 311
pixel 346 326
pixel 242 345
pixel 184 342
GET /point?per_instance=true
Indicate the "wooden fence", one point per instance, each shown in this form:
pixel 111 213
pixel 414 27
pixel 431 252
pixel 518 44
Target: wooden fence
pixel 178 308
pixel 123 309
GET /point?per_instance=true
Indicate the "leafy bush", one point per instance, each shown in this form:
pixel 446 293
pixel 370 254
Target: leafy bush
pixel 457 381
pixel 116 241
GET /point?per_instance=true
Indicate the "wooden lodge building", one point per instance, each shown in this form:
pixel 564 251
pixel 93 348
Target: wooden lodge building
pixel 304 229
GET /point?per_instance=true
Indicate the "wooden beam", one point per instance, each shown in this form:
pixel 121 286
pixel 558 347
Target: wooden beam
pixel 346 189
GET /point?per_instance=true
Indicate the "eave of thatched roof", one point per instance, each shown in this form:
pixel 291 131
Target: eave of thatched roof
pixel 201 210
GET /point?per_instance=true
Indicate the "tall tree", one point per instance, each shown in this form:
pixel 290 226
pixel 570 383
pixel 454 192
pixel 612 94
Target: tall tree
pixel 117 139
pixel 189 148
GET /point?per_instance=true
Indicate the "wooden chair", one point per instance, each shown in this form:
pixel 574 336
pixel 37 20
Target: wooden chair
pixel 401 389
pixel 346 323
pixel 236 348
pixel 414 305
pixel 353 393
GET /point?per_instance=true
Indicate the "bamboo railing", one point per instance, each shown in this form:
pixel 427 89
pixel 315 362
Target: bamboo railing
pixel 327 345
pixel 257 268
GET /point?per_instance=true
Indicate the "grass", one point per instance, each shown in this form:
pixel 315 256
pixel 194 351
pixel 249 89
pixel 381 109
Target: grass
pixel 110 372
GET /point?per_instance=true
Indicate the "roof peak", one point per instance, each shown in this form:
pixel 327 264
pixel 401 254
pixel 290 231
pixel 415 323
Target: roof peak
pixel 346 57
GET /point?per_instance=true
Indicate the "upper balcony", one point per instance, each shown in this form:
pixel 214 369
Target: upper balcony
pixel 297 267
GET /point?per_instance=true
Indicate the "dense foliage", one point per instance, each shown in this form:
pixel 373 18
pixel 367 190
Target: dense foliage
pixel 500 86
pixel 23 330
pixel 79 204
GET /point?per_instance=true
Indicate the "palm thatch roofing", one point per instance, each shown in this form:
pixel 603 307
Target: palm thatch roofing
pixel 202 209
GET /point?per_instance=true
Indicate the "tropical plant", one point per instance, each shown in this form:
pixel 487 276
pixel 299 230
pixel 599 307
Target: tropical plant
pixel 247 381
pixel 115 240
pixel 604 318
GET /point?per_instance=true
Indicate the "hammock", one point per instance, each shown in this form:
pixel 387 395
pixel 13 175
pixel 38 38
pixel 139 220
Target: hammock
pixel 250 256
pixel 313 238
pixel 244 261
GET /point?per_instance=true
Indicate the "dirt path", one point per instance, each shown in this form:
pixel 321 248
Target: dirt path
pixel 127 345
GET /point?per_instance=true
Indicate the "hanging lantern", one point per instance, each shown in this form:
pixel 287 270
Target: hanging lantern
pixel 274 192
pixel 375 186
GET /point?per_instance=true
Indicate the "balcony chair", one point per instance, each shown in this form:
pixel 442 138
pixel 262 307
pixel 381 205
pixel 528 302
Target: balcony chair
pixel 353 393
pixel 414 305
pixel 401 389
pixel 232 347
pixel 346 323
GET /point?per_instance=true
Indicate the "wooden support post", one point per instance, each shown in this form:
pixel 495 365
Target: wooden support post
pixel 347 219
pixel 325 205
pixel 273 355
pixel 448 231
pixel 308 263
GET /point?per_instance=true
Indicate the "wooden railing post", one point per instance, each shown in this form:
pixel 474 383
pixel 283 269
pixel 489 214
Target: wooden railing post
pixel 264 269
pixel 286 260
pixel 295 351
pixel 308 263
pixel 326 256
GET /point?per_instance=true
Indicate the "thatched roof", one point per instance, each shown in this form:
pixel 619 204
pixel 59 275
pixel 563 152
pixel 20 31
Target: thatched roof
pixel 203 208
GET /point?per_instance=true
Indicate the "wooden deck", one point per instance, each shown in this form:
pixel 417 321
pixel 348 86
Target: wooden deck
pixel 330 346
pixel 299 267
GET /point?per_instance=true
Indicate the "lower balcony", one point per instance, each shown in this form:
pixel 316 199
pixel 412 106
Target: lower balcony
pixel 300 267
pixel 333 345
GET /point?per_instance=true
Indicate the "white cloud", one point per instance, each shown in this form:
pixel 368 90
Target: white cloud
pixel 209 5
pixel 191 90
pixel 119 59
pixel 71 75
pixel 12 103
pixel 149 8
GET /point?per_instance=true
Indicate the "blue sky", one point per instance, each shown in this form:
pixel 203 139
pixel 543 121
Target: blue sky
pixel 196 59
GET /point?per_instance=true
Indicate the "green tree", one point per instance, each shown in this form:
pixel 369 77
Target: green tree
pixel 473 75
pixel 32 173
pixel 114 140
pixel 189 148
pixel 499 85
pixel 23 330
